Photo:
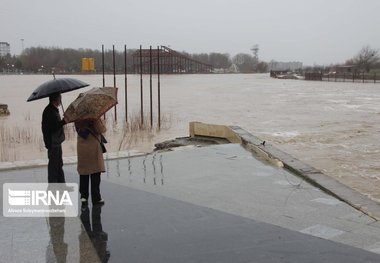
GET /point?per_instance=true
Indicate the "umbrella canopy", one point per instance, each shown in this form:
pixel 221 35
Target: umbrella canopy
pixel 61 85
pixel 91 104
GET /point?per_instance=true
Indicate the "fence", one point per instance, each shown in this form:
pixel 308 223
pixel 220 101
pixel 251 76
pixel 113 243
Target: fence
pixel 344 77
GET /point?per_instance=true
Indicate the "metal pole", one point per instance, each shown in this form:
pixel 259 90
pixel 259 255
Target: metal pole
pixel 150 86
pixel 104 82
pixel 141 89
pixel 158 87
pixel 114 74
pixel 125 83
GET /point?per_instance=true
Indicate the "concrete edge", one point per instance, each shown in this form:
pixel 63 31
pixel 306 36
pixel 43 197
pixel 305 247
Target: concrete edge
pixel 281 159
pixel 8 166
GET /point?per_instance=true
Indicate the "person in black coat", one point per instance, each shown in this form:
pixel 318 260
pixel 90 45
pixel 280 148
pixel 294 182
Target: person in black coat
pixel 52 129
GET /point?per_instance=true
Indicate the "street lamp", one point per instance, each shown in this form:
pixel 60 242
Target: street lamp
pixel 22 45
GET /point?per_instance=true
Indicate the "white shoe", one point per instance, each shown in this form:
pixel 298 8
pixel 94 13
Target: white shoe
pixel 100 202
pixel 83 200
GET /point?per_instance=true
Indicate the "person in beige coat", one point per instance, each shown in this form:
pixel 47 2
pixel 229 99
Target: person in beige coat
pixel 90 159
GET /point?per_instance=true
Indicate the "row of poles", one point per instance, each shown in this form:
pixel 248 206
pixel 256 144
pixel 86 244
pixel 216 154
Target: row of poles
pixel 141 84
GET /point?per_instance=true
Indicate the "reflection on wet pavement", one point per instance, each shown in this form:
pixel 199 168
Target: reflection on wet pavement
pixel 57 247
pixel 208 204
pixel 95 231
pixel 148 169
pixel 185 219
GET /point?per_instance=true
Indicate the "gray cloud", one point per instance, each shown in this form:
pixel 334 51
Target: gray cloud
pixel 320 32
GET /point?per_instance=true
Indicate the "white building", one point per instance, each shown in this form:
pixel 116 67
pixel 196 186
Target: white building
pixel 284 66
pixel 5 49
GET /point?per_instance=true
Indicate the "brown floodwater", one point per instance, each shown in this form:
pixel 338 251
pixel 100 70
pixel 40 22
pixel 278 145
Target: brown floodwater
pixel 329 125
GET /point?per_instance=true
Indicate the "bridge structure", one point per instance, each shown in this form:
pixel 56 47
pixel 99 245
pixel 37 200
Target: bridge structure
pixel 167 61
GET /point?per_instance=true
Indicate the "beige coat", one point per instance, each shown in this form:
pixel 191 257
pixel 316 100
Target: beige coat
pixel 90 155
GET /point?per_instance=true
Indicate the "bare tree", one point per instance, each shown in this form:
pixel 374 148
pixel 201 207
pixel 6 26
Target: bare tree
pixel 219 60
pixel 245 62
pixel 366 58
pixel 262 67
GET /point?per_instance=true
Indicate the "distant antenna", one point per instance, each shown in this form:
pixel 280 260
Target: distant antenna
pixel 255 50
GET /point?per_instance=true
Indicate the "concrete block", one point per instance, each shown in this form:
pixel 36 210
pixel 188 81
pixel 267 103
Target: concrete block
pixel 213 130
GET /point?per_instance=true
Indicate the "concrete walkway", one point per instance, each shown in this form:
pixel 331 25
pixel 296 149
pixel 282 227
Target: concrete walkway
pixel 210 204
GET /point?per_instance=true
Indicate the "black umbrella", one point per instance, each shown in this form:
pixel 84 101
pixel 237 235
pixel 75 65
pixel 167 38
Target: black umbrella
pixel 61 85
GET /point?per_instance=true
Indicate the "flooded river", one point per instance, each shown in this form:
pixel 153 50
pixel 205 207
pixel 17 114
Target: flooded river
pixel 332 126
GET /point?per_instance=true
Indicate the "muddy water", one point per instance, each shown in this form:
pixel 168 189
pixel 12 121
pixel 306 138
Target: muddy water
pixel 331 126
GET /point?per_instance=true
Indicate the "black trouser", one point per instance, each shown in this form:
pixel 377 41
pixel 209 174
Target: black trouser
pixel 95 186
pixel 55 171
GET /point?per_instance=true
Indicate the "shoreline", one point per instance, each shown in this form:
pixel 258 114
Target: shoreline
pixel 264 151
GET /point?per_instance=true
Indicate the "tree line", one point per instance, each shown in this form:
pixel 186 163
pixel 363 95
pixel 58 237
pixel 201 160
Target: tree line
pixel 366 60
pixel 69 61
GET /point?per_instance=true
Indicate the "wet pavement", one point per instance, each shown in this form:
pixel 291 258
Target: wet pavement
pixel 210 204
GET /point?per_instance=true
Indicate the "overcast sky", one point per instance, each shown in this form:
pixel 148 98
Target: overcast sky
pixel 311 31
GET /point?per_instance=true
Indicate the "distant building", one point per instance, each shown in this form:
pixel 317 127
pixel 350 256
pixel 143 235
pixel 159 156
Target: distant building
pixel 284 66
pixel 344 69
pixel 5 49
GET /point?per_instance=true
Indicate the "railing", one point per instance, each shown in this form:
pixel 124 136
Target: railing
pixel 352 77
pixel 344 77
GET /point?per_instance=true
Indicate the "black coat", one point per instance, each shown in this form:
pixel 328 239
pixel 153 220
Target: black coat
pixel 52 127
